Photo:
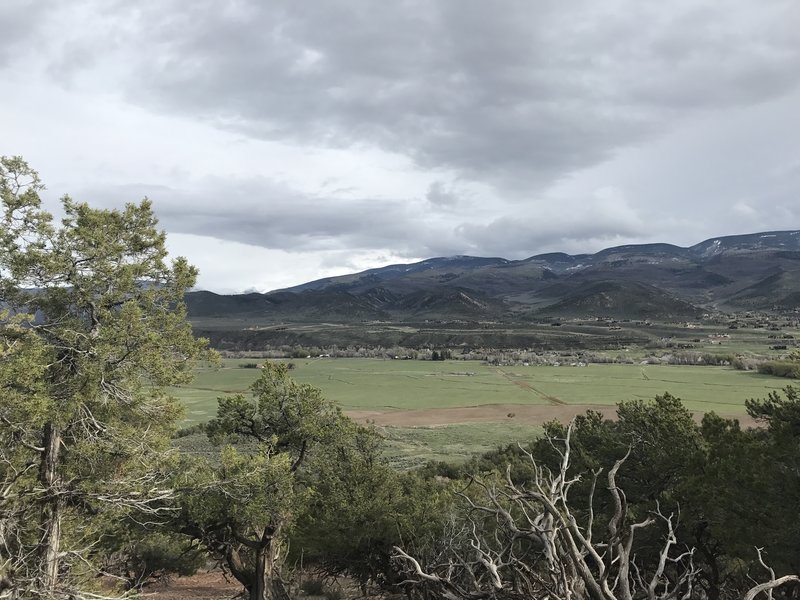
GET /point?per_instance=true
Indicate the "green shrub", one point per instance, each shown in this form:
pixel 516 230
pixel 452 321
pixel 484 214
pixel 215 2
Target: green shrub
pixel 191 430
pixel 154 556
pixel 779 368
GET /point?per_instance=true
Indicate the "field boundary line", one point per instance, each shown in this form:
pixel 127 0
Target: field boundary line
pixel 554 400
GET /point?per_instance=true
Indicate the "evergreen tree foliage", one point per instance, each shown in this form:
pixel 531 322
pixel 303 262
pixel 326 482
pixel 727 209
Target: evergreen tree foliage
pixel 92 332
pixel 242 506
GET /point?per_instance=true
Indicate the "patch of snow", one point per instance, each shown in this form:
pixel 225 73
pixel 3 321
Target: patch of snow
pixel 769 235
pixel 713 248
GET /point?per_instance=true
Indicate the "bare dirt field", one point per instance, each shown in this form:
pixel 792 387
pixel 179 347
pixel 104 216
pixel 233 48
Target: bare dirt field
pixel 491 413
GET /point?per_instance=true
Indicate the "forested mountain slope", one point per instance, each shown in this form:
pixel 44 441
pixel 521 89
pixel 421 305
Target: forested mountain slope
pixel 759 271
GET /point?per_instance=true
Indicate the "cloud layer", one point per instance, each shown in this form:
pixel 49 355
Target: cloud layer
pixel 413 128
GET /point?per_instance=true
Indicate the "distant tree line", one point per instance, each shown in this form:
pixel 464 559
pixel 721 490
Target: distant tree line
pixel 498 356
pixel 788 366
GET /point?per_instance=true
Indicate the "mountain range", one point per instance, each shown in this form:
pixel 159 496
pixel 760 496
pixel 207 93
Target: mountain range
pixel 759 271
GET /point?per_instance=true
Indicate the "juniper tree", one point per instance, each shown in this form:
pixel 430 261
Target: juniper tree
pixel 92 332
pixel 242 505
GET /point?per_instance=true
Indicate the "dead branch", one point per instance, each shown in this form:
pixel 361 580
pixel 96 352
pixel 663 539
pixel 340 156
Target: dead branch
pixel 529 542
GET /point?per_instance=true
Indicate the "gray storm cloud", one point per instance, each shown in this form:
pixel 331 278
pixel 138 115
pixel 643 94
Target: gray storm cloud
pixel 263 213
pixel 518 93
pixel 509 121
pixel 515 92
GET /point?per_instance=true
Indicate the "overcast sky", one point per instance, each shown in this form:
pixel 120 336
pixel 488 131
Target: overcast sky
pixel 283 141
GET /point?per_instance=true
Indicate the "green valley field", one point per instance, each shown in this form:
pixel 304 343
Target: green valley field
pixel 452 409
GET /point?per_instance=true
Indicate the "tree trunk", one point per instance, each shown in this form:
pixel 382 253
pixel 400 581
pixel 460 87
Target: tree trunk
pixel 267 584
pixel 258 591
pixel 712 574
pixel 242 574
pixel 49 547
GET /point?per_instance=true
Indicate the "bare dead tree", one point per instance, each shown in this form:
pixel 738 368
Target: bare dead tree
pixel 533 541
pixel 766 589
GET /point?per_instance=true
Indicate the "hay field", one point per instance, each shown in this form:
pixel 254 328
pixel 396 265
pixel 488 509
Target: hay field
pixel 450 410
pixel 385 390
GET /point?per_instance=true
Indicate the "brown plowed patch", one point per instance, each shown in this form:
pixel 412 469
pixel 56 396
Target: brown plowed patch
pixel 535 414
pixel 492 413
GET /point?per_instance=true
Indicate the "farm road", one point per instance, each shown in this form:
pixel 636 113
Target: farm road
pixel 527 386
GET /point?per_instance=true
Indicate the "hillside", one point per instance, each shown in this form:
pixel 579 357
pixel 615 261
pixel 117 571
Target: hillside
pixel 759 271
